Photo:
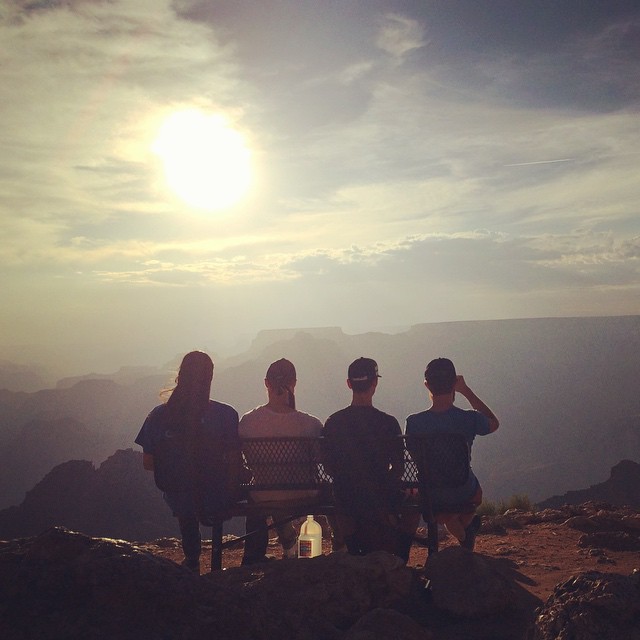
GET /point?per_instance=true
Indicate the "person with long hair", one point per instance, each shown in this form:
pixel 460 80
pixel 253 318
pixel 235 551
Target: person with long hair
pixel 278 418
pixel 207 427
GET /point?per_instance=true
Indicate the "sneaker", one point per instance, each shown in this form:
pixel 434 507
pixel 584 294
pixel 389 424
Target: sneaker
pixel 290 553
pixel 471 532
pixel 192 564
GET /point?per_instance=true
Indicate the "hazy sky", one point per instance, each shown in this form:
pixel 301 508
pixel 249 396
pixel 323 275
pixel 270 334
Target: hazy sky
pixel 410 161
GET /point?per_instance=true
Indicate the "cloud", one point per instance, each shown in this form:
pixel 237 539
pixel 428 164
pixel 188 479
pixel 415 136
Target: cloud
pixel 399 35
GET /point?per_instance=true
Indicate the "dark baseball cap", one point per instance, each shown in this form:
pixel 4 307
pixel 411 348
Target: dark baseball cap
pixel 363 369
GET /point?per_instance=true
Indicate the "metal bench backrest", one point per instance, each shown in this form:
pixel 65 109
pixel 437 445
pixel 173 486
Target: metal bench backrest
pixel 284 463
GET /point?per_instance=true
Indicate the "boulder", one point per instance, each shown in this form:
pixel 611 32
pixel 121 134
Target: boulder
pixel 335 590
pixel 464 584
pixel 592 606
pixel 62 585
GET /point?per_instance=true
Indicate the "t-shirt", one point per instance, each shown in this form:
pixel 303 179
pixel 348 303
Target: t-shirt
pixel 363 452
pixel 455 420
pixel 219 422
pixel 263 422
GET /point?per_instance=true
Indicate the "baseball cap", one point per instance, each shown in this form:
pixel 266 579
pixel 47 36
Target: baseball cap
pixel 363 369
pixel 282 371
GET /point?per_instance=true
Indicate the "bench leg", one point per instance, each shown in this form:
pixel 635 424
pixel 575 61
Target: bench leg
pixel 216 546
pixel 432 537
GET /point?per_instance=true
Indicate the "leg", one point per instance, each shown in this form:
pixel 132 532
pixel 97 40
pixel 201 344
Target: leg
pixel 216 541
pixel 287 536
pixel 255 546
pixel 191 541
pixel 337 533
pixel 380 533
pixel 407 525
pixel 344 534
pixel 453 524
pixel 470 533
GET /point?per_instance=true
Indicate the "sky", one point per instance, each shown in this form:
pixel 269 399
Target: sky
pixel 368 164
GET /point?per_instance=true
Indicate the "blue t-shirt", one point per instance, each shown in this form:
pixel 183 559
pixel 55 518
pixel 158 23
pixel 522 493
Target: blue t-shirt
pixel 455 420
pixel 219 420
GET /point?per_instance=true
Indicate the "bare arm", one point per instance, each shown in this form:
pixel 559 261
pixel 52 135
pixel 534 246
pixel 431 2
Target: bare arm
pixel 476 403
pixel 147 461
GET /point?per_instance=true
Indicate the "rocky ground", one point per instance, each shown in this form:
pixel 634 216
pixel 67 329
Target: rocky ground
pixel 571 573
pixel 535 551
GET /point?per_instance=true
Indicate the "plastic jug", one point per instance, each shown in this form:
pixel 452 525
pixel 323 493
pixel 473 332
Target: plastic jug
pixel 310 539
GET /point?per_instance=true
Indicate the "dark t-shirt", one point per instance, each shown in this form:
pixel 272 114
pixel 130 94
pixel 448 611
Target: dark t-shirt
pixel 363 452
pixel 219 425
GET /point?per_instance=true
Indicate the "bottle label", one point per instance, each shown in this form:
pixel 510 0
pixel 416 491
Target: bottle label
pixel 305 548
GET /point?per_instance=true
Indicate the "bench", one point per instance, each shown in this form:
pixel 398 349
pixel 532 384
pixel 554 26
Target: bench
pixel 295 464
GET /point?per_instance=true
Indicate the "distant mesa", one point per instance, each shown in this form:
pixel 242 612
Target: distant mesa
pixel 17 377
pixel 621 489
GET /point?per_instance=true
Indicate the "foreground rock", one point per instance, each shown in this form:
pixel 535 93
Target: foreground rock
pixel 464 584
pixel 65 585
pixel 592 606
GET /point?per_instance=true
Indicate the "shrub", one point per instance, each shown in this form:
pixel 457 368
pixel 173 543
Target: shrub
pixel 520 501
pixel 517 501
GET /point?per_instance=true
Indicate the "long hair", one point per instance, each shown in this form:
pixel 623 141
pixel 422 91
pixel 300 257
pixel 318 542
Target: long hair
pixel 281 376
pixel 190 396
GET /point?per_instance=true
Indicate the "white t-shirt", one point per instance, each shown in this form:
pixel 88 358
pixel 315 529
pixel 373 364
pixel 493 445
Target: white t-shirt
pixel 262 422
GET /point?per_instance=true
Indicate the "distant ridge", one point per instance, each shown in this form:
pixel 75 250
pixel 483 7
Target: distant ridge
pixel 621 489
pixel 565 390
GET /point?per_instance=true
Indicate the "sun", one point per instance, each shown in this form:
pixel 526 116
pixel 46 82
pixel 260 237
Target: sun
pixel 206 161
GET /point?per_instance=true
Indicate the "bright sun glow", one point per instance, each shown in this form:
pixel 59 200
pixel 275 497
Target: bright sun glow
pixel 206 162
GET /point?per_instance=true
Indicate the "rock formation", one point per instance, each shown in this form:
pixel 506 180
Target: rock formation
pixel 119 499
pixel 622 488
pixel 592 606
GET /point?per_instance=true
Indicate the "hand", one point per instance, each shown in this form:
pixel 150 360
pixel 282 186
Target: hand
pixel 461 385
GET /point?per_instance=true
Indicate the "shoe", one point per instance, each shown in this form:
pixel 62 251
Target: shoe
pixel 471 532
pixel 192 564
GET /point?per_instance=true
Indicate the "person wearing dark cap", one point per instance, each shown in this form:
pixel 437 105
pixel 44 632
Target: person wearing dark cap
pixel 443 382
pixel 363 452
pixel 278 418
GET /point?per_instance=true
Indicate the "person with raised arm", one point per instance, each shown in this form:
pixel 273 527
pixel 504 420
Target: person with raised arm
pixel 443 383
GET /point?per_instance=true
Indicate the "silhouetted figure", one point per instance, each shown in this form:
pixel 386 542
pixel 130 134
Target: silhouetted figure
pixel 278 418
pixel 364 453
pixel 442 382
pixel 184 442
